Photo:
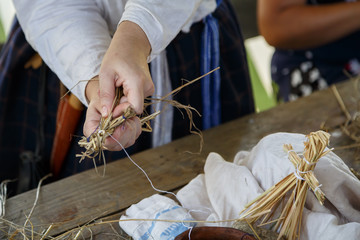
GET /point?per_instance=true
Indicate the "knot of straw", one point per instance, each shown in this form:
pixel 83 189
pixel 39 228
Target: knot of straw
pixel 94 144
pixel 292 190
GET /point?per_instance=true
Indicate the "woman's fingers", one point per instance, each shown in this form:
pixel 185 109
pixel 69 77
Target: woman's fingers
pixel 126 135
pixel 92 120
pixel 107 84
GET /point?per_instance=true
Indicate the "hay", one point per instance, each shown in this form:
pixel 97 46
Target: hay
pixel 351 126
pixel 356 173
pixel 25 231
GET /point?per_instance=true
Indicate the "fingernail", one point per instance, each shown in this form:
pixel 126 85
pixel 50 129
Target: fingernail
pixel 104 112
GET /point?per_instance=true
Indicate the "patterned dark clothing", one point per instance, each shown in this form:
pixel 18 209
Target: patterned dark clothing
pixel 27 125
pixel 28 104
pixel 300 72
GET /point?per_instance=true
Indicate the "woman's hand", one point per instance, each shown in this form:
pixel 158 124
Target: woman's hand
pixel 126 134
pixel 124 64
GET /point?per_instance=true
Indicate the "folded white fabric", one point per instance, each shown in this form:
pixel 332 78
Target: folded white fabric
pixel 226 187
pixel 155 207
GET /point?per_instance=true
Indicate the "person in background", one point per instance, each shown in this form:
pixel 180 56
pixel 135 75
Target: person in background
pixel 115 40
pixel 316 41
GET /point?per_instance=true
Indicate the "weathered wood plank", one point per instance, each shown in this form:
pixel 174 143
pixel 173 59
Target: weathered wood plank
pixel 80 198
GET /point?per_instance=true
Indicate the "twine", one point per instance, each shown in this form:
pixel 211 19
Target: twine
pixel 142 170
pixel 297 173
pixel 317 188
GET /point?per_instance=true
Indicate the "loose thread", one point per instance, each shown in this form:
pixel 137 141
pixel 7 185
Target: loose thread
pixel 88 138
pixel 189 215
pixel 308 163
pixel 80 81
pixel 36 200
pixel 297 173
pixel 317 188
pixel 141 169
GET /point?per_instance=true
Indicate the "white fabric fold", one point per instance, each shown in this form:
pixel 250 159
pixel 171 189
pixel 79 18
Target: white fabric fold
pixel 159 208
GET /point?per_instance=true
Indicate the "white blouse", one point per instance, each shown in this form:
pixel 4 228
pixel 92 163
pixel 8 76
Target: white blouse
pixel 72 36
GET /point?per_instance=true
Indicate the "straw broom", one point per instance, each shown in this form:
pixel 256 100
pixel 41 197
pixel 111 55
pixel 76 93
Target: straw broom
pixel 296 184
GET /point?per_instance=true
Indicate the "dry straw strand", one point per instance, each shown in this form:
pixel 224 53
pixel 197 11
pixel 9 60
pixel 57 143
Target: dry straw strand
pixel 34 205
pixel 351 127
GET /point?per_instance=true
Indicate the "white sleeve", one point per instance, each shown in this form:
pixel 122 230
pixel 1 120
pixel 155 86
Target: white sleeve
pixel 162 20
pixel 71 36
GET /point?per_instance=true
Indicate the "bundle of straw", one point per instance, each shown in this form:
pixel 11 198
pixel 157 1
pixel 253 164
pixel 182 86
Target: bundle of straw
pixel 296 185
pixel 94 144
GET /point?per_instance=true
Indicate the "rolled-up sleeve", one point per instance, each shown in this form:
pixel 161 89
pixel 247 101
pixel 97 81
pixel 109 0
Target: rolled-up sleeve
pixel 162 20
pixel 71 36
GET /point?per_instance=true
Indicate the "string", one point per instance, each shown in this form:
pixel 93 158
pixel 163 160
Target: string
pixel 143 171
pixel 309 163
pixel 101 132
pixel 297 173
pixel 190 227
pixel 88 139
pixel 301 156
pixel 317 188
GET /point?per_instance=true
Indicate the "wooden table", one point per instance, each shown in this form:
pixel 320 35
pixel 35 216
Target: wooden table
pixel 86 197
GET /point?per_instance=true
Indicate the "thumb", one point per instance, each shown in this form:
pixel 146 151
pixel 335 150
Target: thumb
pixel 106 93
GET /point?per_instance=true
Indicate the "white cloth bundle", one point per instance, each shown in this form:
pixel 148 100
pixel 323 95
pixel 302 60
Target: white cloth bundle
pixel 156 207
pixel 225 188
